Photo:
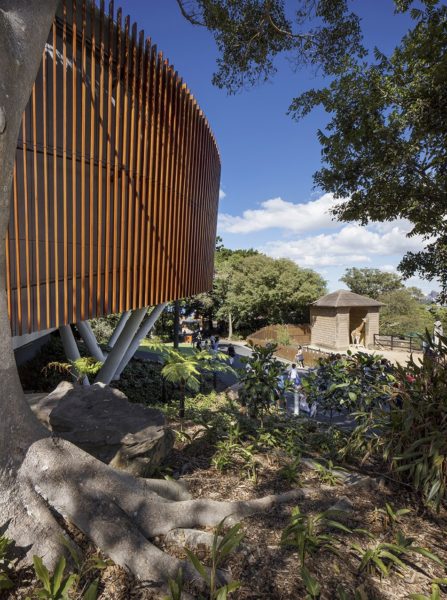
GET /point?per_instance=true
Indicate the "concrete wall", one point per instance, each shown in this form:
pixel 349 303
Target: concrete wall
pixel 324 326
pixel 342 330
pixel 372 325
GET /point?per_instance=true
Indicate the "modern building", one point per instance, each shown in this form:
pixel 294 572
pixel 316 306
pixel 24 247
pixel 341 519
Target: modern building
pixel 116 183
pixel 335 317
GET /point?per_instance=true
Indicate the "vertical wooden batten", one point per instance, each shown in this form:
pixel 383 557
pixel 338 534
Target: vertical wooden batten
pixel 114 198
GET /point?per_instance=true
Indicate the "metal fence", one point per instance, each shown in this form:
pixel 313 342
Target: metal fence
pixel 398 342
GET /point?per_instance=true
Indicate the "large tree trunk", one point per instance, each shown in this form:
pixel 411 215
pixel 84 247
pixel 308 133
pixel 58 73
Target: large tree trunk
pixel 230 326
pixel 39 474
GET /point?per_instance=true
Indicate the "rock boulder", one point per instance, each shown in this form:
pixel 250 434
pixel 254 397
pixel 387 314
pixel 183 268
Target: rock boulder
pixel 100 420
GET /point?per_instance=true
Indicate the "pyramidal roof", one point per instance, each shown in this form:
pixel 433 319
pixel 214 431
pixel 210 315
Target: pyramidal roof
pixel 345 298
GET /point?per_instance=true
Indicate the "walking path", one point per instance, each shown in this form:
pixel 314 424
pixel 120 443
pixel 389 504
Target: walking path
pixel 227 380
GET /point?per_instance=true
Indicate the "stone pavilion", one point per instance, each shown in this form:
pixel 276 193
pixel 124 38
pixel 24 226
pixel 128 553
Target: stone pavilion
pixel 337 315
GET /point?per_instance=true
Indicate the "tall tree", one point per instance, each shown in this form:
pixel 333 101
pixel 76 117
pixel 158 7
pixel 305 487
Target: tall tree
pixel 42 475
pixel 371 282
pixel 404 314
pixel 258 290
pixel 385 147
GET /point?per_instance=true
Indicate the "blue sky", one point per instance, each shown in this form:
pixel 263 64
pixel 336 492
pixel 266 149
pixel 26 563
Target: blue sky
pixel 268 200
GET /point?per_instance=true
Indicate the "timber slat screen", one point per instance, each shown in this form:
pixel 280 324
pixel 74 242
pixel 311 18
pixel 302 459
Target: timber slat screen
pixel 116 180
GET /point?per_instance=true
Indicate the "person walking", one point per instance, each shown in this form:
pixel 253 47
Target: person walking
pixel 231 353
pixel 295 380
pixel 299 357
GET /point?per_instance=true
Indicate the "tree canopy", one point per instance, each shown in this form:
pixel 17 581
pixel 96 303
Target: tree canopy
pixel 385 146
pixel 371 282
pixel 251 290
pixel 404 314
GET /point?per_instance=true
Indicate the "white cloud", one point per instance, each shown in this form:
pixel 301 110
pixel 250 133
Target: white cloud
pixel 353 244
pixel 222 194
pixel 277 213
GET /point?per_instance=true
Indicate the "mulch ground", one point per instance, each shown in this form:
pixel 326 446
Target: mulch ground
pixel 270 571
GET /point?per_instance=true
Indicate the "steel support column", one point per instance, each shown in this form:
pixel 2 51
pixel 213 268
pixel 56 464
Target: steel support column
pixel 145 328
pixel 70 346
pixel 86 333
pixel 118 329
pixel 121 346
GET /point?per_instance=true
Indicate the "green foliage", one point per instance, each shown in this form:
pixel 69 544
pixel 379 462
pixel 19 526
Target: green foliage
pixel 312 586
pixel 141 381
pixel 250 35
pixel 353 381
pixel 175 587
pixel 56 586
pixel 307 533
pixel 403 314
pixel 5 580
pixel 185 370
pixel 435 592
pixel 252 290
pixel 385 557
pixel 85 567
pixel 222 547
pixel 289 471
pixel 259 380
pixel 85 366
pixel 329 475
pixel 233 453
pixel 386 138
pixel 371 282
pixel 283 335
pixel 409 434
pixel 103 327
pixel 391 516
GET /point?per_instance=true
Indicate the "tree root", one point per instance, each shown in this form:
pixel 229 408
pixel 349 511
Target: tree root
pixel 120 513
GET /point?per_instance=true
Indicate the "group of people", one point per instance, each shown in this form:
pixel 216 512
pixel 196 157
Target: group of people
pixel 206 343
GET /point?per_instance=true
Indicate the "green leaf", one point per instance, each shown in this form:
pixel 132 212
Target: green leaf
pixel 197 565
pixel 67 585
pixel 427 554
pixel 58 575
pixel 42 573
pixel 92 591
pixel 5 582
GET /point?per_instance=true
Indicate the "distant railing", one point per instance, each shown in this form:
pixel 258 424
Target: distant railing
pixel 398 342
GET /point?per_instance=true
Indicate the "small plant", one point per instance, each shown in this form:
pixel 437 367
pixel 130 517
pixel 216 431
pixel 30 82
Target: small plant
pixel 84 366
pixel 289 472
pixel 56 586
pixel 328 475
pixel 5 581
pixel 312 586
pixel 359 594
pixel 392 517
pixel 283 335
pixel 307 533
pixel 435 591
pixel 385 557
pixel 176 587
pixel 235 455
pixel 220 550
pixel 84 567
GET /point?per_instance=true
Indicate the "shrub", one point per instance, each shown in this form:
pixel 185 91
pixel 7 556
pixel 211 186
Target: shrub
pixel 410 433
pixel 259 380
pixel 283 335
pixel 352 382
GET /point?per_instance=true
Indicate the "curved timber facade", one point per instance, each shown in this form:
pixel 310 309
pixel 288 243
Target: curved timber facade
pixel 116 180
